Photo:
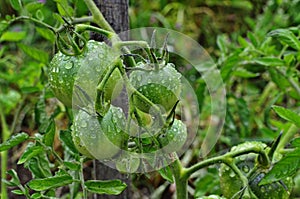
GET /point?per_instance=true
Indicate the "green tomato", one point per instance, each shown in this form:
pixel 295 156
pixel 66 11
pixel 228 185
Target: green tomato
pixel 231 184
pixel 162 87
pixel 127 163
pixel 85 70
pixel 168 140
pixel 79 145
pixel 174 138
pixel 101 138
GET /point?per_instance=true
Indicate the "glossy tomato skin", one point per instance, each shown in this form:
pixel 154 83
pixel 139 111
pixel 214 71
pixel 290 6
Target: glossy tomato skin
pixel 167 140
pixel 102 138
pixel 174 137
pixel 162 87
pixel 80 146
pixel 248 165
pixel 84 70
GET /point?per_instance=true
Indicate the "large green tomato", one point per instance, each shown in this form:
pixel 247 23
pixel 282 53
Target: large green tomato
pixel 86 70
pixel 168 140
pixel 162 87
pixel 100 138
pixel 174 137
pixel 249 166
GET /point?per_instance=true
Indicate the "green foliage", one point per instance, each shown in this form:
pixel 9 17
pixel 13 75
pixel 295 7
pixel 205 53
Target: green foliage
pixel 113 187
pixel 255 46
pixel 13 141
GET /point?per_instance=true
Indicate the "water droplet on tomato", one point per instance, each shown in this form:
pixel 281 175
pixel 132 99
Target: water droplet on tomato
pixel 69 65
pixel 245 169
pixel 83 124
pixel 232 174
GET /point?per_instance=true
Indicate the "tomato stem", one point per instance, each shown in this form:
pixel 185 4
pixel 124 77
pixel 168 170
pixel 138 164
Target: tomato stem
pixel 5 135
pixel 81 177
pixel 84 27
pixel 181 180
pixel 98 18
pixel 224 159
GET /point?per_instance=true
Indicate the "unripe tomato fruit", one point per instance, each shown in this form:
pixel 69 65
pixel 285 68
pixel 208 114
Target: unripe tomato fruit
pixel 101 138
pixel 168 140
pixel 86 70
pixel 162 87
pixel 174 138
pixel 249 166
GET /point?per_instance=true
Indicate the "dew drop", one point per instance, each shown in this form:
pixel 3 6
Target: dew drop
pixel 246 169
pixel 83 124
pixel 232 174
pixel 242 158
pixel 69 65
pixel 139 77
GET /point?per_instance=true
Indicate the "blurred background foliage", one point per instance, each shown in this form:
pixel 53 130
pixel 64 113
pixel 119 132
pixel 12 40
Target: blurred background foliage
pixel 258 65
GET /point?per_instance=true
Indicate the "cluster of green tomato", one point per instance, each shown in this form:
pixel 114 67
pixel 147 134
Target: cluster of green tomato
pixel 96 77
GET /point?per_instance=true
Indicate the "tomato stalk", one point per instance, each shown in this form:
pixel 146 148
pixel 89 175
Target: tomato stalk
pixel 5 135
pixel 181 174
pixel 83 27
pixel 181 180
pixel 98 18
pixel 81 178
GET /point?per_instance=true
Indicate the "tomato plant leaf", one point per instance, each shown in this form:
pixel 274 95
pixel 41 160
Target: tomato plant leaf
pixel 50 182
pixel 17 192
pixel 166 173
pixel 296 142
pixel 267 61
pixel 39 166
pixel 229 65
pixel 221 42
pixel 287 115
pixel 240 72
pixel 10 99
pixel 36 196
pixel 30 152
pixel 3 26
pixel 67 142
pixel 287 37
pixel 33 6
pixel 286 167
pixel 16 4
pixel 35 53
pixel 75 166
pixel 46 33
pixel 50 133
pixel 13 141
pixel 112 187
pixel 14 181
pixel 13 36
